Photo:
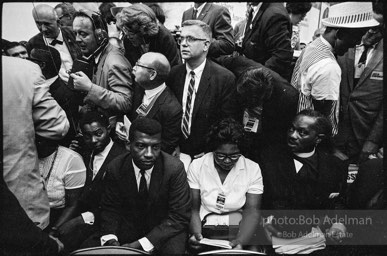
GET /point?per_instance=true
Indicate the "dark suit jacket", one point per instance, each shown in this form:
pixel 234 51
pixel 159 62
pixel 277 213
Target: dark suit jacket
pixel 362 103
pixel 280 109
pixel 37 41
pixel 91 196
pixel 19 235
pixel 216 98
pixel 167 111
pixel 219 19
pixel 268 42
pixel 163 42
pixel 169 204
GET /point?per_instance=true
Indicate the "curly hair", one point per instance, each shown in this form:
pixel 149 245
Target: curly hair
pixel 140 18
pixel 225 131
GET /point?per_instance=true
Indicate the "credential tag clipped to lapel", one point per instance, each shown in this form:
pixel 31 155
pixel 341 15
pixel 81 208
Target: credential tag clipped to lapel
pixel 377 75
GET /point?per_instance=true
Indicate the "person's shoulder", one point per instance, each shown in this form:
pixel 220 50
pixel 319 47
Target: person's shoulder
pixel 116 163
pixel 115 56
pixel 171 163
pixel 69 152
pixel 219 69
pixel 177 68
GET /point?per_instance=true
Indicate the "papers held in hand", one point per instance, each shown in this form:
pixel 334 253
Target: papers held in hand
pixel 216 242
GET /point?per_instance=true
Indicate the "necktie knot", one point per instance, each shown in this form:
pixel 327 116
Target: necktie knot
pixel 194 14
pixel 56 41
pixel 142 172
pixel 192 73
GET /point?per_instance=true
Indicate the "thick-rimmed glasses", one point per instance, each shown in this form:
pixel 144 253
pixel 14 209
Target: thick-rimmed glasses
pixel 143 66
pixel 189 39
pixel 222 157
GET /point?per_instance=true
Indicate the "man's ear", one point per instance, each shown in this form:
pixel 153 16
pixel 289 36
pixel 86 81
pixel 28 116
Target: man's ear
pixel 320 137
pixel 153 75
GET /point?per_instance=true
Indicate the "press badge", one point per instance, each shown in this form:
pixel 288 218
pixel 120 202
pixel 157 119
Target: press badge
pixel 377 75
pixel 220 201
pixel 251 123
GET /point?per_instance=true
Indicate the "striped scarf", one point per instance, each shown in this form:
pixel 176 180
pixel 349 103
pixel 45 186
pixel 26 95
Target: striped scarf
pixel 312 54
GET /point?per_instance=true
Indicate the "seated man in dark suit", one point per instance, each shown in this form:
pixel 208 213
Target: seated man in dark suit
pixel 97 150
pixel 269 103
pixel 153 99
pixel 146 203
pixel 205 89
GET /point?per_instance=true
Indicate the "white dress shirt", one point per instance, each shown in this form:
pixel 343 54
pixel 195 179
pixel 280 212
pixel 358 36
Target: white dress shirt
pixel 100 158
pixel 297 163
pixel 198 75
pixel 149 95
pixel 145 243
pixel 65 56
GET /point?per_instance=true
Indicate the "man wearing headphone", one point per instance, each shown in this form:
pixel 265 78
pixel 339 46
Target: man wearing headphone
pixel 111 87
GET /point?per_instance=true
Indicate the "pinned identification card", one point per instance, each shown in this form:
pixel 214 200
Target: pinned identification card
pixel 220 201
pixel 377 75
pixel 251 123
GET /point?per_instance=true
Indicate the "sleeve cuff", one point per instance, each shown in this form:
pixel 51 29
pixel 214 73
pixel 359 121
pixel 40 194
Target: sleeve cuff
pixel 146 244
pixel 106 238
pixel 88 218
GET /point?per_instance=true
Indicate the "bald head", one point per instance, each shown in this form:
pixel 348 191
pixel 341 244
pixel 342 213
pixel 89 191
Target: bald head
pixel 46 20
pixel 144 70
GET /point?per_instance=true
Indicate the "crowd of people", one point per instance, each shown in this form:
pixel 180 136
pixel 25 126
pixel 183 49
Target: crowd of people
pixel 118 132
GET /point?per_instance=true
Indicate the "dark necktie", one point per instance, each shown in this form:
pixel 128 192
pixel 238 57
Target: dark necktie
pixel 363 59
pixel 143 190
pixel 187 113
pixel 249 20
pixel 194 13
pixel 55 41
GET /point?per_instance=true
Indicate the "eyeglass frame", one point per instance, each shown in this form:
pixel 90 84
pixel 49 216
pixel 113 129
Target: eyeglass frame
pixel 64 15
pixel 224 156
pixel 142 66
pixel 189 39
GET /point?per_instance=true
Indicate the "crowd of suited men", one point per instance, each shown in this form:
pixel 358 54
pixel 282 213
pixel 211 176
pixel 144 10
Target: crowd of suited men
pixel 107 114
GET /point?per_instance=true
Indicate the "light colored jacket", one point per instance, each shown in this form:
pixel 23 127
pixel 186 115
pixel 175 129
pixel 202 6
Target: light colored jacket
pixel 28 109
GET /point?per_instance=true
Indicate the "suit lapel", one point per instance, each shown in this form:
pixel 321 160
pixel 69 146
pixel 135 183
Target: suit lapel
pixel 180 81
pixel 377 57
pixel 350 74
pixel 204 11
pixel 137 100
pixel 156 181
pixel 114 151
pixel 255 20
pixel 203 86
pixel 157 105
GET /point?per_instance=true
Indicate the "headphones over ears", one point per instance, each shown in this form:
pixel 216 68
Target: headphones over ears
pixel 100 28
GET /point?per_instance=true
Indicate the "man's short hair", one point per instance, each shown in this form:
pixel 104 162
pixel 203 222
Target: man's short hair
pixel 106 14
pixel 322 124
pixel 255 81
pixel 139 16
pixel 204 26
pixel 298 8
pixel 51 59
pixel 11 45
pixel 94 116
pixel 145 125
pixel 67 9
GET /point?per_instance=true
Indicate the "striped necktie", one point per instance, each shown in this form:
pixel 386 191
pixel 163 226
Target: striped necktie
pixel 185 125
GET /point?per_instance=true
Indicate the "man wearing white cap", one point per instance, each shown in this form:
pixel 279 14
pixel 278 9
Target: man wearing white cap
pixel 317 74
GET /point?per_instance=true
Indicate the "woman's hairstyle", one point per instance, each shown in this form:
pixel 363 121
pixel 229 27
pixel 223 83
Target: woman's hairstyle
pixel 322 125
pixel 225 131
pixel 158 11
pixel 139 17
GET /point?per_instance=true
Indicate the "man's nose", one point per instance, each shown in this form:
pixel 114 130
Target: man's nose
pixel 94 139
pixel 149 152
pixel 293 134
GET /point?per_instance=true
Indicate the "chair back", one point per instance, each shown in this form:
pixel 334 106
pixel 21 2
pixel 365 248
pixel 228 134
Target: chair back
pixel 231 252
pixel 108 250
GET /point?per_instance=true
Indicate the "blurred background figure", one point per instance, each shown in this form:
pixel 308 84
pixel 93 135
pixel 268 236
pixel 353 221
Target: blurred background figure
pixel 158 11
pixel 106 14
pixel 297 11
pixel 65 13
pixel 318 33
pixel 15 49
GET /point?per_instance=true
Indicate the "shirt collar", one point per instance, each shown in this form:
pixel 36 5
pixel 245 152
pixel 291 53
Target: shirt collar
pixel 59 37
pixel 198 72
pixel 324 41
pixel 200 8
pixel 305 155
pixel 97 58
pixel 106 150
pixel 256 8
pixel 137 169
pixel 151 93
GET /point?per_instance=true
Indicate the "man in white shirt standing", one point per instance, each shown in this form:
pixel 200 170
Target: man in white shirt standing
pixel 317 74
pixel 52 35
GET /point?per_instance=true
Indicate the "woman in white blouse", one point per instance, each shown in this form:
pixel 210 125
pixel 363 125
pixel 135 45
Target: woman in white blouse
pixel 64 174
pixel 224 181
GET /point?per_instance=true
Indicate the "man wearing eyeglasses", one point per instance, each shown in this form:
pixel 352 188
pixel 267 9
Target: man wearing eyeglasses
pixel 65 13
pixel 153 99
pixel 205 90
pixel 53 35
